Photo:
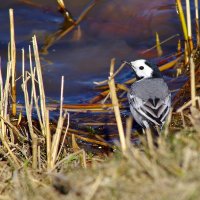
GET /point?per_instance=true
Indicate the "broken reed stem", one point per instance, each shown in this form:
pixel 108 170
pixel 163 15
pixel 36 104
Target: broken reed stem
pixel 61 4
pixel 192 81
pixel 183 119
pixel 116 72
pixel 188 45
pixel 197 21
pixel 5 93
pixel 61 111
pixel 48 141
pixel 1 99
pixel 115 103
pixel 179 47
pixel 61 95
pixel 64 137
pixel 4 112
pixel 56 140
pixel 164 41
pixel 34 90
pixel 182 19
pixel 196 3
pixel 189 24
pixel 4 99
pixel 188 14
pixel 158 46
pixel 13 62
pixel 40 80
pixel 43 113
pixel 186 53
pixel 57 135
pixel 28 107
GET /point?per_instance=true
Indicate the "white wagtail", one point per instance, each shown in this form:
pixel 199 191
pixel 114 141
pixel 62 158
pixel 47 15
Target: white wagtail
pixel 149 96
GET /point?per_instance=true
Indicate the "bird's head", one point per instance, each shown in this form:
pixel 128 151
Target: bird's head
pixel 144 69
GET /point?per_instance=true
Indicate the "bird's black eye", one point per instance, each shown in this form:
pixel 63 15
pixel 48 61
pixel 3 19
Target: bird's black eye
pixel 141 67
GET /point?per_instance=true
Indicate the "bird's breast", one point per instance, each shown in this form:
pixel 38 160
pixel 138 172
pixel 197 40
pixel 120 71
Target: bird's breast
pixel 154 89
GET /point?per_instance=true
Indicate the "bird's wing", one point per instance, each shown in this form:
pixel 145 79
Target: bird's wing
pixel 153 110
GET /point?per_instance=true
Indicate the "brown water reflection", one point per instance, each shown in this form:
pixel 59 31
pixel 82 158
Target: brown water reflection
pixel 114 28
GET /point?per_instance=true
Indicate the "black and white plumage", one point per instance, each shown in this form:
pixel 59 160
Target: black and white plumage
pixel 149 96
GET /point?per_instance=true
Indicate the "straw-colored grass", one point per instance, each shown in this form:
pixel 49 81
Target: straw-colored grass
pixel 35 165
pixel 171 172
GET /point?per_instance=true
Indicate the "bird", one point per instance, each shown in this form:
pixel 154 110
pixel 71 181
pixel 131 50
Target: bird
pixel 149 97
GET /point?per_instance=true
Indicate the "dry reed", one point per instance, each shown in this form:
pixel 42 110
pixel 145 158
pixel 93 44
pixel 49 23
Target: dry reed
pixel 189 24
pixel 115 103
pixel 182 19
pixel 158 45
pixel 12 56
pixel 196 3
pixel 192 79
pixel 29 107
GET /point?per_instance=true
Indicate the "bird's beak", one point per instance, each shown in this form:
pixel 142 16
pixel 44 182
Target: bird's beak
pixel 128 63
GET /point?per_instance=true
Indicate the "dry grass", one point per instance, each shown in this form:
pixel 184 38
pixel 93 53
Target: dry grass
pixel 34 164
pixel 171 172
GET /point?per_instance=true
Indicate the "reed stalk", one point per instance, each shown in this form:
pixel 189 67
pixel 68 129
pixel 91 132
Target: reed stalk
pixel 189 24
pixel 42 111
pixel 182 19
pixel 1 100
pixel 64 137
pixel 28 107
pixel 192 81
pixel 4 113
pixel 158 46
pixel 179 47
pixel 113 76
pixel 164 41
pixel 13 62
pixel 34 94
pixel 40 80
pixel 196 3
pixel 115 103
pixel 48 141
pixel 186 53
pixel 57 135
pixel 185 29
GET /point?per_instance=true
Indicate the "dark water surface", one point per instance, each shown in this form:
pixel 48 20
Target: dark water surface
pixel 114 28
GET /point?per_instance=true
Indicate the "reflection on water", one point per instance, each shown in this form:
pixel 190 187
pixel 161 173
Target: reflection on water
pixel 115 28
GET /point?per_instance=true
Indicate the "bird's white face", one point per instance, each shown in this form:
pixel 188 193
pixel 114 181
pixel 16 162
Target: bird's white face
pixel 141 69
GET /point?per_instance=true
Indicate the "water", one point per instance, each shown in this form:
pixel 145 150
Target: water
pixel 114 28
